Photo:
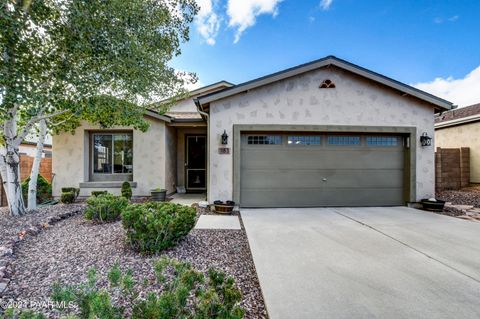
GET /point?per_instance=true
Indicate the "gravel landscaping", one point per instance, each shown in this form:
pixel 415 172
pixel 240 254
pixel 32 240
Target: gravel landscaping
pixel 67 250
pixel 467 196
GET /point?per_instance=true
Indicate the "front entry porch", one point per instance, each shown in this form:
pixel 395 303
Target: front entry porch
pixel 188 165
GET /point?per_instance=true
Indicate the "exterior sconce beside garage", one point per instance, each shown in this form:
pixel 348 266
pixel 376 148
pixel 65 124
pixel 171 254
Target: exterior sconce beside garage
pixel 425 140
pixel 224 138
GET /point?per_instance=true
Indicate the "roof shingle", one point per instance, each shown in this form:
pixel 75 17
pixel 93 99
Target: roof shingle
pixel 458 113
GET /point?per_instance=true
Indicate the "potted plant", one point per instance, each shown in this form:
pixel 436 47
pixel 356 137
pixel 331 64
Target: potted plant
pixel 159 194
pixel 224 207
pixel 432 204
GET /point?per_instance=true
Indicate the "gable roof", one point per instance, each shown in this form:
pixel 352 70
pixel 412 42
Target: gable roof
pixel 459 116
pixel 439 103
pixel 188 116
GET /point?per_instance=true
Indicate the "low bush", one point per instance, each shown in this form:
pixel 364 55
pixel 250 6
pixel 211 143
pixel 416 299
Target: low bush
pixel 67 197
pixel 105 207
pixel 97 193
pixel 126 190
pixel 154 226
pixel 44 189
pixel 186 293
pixel 74 190
pixel 69 194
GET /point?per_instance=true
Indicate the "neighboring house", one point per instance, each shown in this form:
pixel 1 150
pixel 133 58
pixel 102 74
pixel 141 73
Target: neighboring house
pixel 326 133
pixel 461 128
pixel 30 149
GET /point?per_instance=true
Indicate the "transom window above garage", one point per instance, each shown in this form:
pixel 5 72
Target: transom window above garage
pixel 343 140
pixel 382 140
pixel 304 140
pixel 264 140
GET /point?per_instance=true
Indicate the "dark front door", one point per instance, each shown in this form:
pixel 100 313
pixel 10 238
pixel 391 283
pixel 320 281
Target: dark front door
pixel 196 162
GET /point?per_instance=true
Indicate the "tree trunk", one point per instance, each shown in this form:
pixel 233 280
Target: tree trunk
pixel 32 185
pixel 14 189
pixel 11 168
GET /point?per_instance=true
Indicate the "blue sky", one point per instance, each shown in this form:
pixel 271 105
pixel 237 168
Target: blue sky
pixel 433 45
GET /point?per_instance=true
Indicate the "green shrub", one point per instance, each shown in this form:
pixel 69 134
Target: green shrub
pixel 126 190
pixel 91 301
pixel 97 193
pixel 74 190
pixel 12 313
pixel 186 293
pixel 105 207
pixel 67 197
pixel 44 189
pixel 154 226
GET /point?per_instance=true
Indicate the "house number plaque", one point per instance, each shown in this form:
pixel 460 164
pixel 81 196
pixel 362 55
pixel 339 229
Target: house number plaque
pixel 224 150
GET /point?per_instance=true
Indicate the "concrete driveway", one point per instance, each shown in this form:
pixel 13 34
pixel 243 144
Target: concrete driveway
pixel 365 263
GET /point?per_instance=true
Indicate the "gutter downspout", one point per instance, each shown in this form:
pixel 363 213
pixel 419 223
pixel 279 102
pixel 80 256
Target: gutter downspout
pixel 207 117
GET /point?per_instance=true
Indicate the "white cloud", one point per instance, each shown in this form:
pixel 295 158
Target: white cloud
pixel 325 4
pixel 440 20
pixel 463 92
pixel 207 21
pixel 453 18
pixel 243 13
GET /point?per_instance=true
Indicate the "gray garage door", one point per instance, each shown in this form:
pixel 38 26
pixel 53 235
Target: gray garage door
pixel 301 170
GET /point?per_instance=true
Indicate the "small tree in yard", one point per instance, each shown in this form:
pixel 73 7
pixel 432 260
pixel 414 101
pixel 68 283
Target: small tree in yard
pixel 84 59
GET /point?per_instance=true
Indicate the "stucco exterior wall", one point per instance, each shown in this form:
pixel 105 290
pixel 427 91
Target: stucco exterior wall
pixel 298 100
pixel 71 163
pixel 466 135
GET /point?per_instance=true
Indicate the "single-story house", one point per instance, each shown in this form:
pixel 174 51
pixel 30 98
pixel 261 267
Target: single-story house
pixel 325 133
pixel 461 128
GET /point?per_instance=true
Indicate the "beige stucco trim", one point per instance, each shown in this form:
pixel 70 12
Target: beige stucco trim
pixel 410 164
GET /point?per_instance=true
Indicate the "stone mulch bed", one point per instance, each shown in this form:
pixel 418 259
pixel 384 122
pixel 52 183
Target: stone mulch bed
pixel 13 230
pixel 464 203
pixel 66 251
pixel 468 196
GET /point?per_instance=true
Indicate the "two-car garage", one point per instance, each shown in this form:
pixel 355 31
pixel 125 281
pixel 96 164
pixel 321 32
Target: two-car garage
pixel 324 133
pixel 301 169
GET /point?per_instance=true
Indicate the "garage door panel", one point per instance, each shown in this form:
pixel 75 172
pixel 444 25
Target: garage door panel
pixel 289 158
pixel 284 175
pixel 308 178
pixel 332 197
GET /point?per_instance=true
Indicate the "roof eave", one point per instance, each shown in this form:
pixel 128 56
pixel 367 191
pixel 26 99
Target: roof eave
pixel 456 122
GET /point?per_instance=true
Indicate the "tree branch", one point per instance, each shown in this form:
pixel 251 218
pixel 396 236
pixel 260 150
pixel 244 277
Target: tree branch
pixel 34 120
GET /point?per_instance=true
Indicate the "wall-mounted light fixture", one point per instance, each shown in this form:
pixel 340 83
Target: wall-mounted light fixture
pixel 425 140
pixel 224 138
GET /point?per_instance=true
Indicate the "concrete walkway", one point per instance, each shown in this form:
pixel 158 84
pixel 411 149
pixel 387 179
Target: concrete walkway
pixel 365 263
pixel 187 199
pixel 218 222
